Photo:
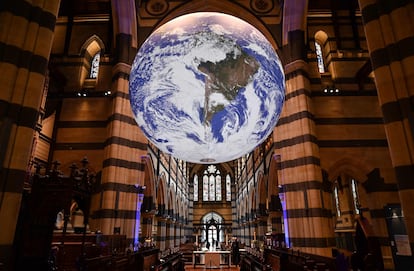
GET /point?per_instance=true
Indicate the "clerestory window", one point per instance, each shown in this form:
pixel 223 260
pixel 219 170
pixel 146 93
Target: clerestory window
pixel 319 58
pixel 93 74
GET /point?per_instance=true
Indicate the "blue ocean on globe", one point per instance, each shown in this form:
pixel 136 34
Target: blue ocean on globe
pixel 206 87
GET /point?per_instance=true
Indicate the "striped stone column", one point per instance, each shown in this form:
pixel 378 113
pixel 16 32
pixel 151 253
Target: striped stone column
pixel 309 224
pixel 181 234
pixel 235 225
pixel 161 233
pixel 275 220
pixel 125 144
pixel 253 231
pixel 26 36
pixel 146 229
pixel 177 236
pixel 390 38
pixel 261 228
pixel 242 236
pixel 295 139
pixel 246 233
pixel 170 234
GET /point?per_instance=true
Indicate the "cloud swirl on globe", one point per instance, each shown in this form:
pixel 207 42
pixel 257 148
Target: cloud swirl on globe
pixel 206 87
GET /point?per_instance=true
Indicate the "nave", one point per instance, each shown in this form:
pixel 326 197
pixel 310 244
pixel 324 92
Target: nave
pixel 203 268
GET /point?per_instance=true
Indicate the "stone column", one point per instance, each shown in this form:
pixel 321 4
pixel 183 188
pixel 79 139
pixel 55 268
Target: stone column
pixel 275 219
pixel 253 232
pixel 125 144
pixel 300 167
pixel 261 228
pixel 389 33
pixel 146 231
pixel 246 233
pixel 170 234
pixel 177 236
pixel 243 233
pixel 295 138
pixel 161 233
pixel 182 233
pixel 27 31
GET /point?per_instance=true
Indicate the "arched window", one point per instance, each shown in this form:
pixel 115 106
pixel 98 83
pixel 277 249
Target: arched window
pixel 319 58
pixel 91 52
pixel 211 188
pixel 336 199
pixel 218 187
pixel 322 49
pixel 355 197
pixel 213 233
pixel 347 204
pixel 212 184
pixel 205 188
pixel 93 74
pixel 228 187
pixel 195 188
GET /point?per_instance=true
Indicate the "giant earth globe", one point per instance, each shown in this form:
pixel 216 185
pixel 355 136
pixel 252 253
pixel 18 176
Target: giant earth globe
pixel 206 87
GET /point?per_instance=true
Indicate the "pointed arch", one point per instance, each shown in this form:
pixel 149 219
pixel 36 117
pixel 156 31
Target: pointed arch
pixel 149 182
pixel 91 48
pixel 348 195
pixel 178 210
pixel 262 196
pixel 170 203
pixel 161 195
pixel 149 176
pixel 351 166
pixel 261 190
pixel 321 50
pixel 273 179
pixel 252 201
pixel 92 45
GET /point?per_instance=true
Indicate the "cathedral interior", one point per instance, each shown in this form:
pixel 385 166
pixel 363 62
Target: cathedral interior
pixel 82 187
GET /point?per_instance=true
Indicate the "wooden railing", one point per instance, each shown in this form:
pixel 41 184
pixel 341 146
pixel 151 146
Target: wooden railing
pixel 286 259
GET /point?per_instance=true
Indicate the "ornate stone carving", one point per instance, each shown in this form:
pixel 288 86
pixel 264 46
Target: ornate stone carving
pixel 262 6
pixel 156 7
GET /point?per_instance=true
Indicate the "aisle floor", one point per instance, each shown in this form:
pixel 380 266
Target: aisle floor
pixel 202 268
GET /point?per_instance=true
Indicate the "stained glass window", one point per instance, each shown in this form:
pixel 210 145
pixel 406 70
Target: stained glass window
pixel 218 187
pixel 336 198
pixel 228 187
pixel 211 190
pixel 195 188
pixel 205 188
pixel 212 186
pixel 319 57
pixel 95 66
pixel 355 197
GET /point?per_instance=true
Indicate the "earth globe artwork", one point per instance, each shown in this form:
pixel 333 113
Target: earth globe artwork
pixel 206 87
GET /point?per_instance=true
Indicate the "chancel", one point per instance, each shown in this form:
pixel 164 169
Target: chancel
pixel 216 134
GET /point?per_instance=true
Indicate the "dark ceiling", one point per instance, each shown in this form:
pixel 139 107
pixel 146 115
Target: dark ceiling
pixel 84 7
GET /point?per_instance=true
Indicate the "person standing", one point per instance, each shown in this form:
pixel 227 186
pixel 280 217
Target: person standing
pixel 235 252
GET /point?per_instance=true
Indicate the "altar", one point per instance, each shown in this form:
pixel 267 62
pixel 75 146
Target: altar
pixel 212 259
